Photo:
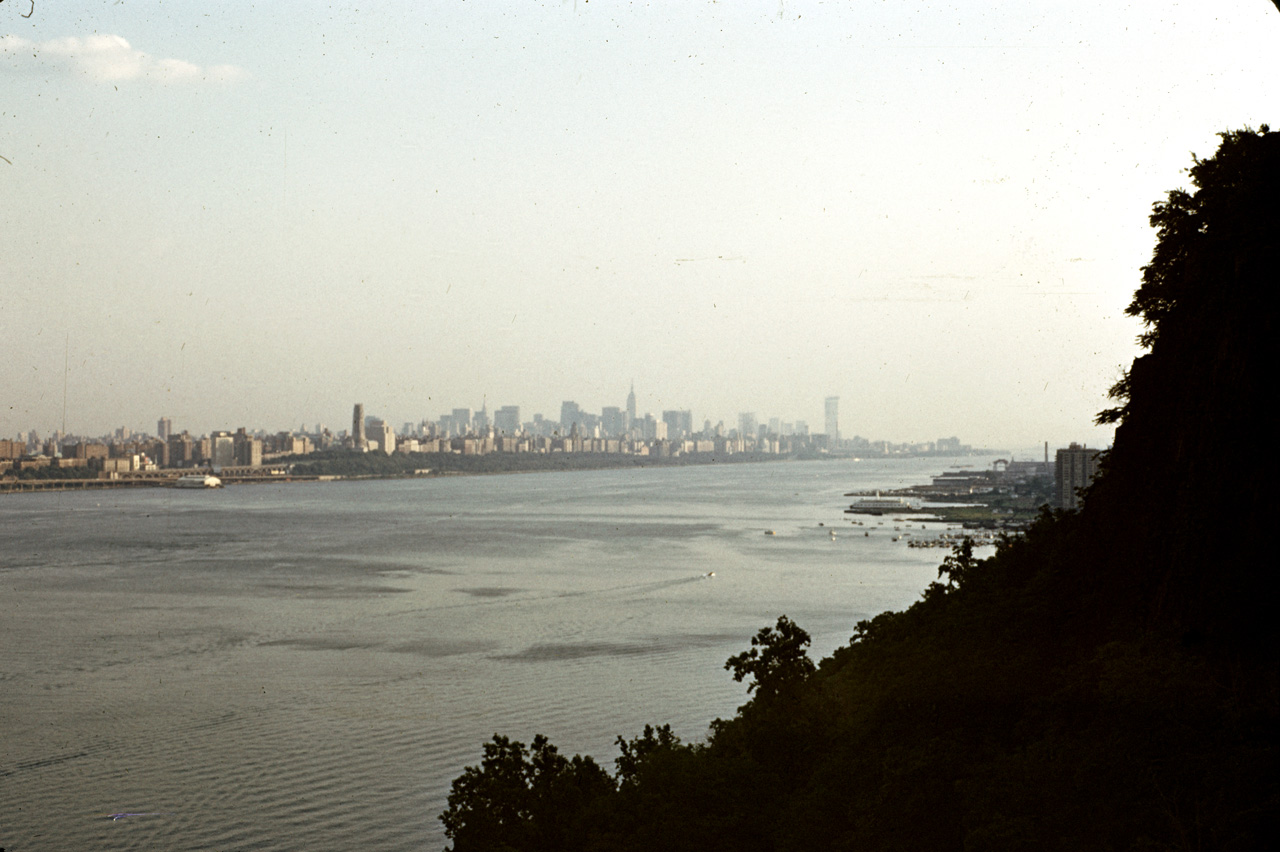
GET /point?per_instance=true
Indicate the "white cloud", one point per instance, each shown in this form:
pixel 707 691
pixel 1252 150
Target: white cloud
pixel 108 59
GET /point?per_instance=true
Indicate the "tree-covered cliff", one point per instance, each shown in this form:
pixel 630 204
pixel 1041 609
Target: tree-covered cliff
pixel 1108 681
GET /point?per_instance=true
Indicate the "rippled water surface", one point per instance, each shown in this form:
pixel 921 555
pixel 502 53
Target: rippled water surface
pixel 308 666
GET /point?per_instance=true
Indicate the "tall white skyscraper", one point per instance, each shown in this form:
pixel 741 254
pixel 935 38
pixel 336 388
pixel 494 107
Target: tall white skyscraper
pixel 833 421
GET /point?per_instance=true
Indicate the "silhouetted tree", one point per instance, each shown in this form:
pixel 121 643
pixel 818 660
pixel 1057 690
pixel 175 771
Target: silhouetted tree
pixel 522 799
pixel 776 663
pixel 633 754
pixel 957 565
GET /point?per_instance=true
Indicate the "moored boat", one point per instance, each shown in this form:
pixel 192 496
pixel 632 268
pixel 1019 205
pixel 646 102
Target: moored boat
pixel 881 506
pixel 197 480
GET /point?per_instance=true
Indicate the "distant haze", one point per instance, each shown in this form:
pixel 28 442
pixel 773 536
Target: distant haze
pixel 258 214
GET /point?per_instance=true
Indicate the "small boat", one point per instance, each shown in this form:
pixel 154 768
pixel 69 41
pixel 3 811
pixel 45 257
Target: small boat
pixel 770 532
pixel 197 480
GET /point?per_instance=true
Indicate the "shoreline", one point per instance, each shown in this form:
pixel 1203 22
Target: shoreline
pixel 167 477
pixel 424 466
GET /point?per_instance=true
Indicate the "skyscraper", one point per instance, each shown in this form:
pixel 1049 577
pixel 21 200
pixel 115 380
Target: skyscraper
pixel 833 421
pixel 1074 469
pixel 507 420
pixel 569 415
pixel 462 420
pixel 222 449
pixel 384 435
pixel 164 428
pixel 613 421
pixel 357 426
pixel 679 423
pixel 631 405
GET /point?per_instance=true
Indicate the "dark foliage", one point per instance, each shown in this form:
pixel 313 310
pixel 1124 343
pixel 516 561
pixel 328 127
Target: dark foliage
pixel 1208 299
pixel 522 798
pixel 52 472
pixel 776 663
pixel 1107 681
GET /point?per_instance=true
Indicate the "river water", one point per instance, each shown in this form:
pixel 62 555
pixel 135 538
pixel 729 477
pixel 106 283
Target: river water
pixel 309 665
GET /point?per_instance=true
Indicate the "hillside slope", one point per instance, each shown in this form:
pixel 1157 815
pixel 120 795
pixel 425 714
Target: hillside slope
pixel 1107 682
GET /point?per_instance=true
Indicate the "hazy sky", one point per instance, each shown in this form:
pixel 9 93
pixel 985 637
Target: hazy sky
pixel 258 214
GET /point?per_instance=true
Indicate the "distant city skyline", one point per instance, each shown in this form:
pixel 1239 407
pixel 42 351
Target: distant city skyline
pixel 371 429
pixel 358 415
pixel 936 212
pixel 340 419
